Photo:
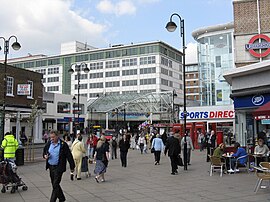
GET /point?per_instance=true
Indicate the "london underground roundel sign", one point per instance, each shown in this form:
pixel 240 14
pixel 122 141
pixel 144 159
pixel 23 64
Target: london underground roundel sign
pixel 264 45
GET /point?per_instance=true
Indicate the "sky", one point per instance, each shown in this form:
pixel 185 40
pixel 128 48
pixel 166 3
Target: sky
pixel 42 25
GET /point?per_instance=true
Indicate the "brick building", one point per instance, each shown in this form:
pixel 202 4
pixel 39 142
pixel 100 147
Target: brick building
pixel 18 107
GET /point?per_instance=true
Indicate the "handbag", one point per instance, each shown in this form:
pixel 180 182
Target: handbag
pixel 179 161
pixel 153 150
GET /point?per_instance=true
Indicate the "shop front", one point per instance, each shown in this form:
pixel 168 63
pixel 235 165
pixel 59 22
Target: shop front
pixel 221 119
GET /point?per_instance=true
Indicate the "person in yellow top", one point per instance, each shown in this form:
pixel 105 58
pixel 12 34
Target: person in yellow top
pixel 10 145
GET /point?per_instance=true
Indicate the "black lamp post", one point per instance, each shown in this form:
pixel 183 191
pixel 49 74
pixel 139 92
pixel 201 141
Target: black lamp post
pixel 173 105
pixel 15 46
pixel 115 111
pixel 79 68
pixel 125 125
pixel 171 27
pixel 73 123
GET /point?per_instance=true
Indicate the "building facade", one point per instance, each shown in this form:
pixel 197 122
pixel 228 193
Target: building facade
pixel 23 90
pixel 250 80
pixel 193 87
pixel 121 69
pixel 215 56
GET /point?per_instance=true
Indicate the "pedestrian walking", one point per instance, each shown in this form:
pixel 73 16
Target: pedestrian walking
pixel 90 146
pixel 200 140
pixel 142 143
pixel 102 159
pixel 114 148
pixel 10 145
pixel 173 149
pixel 132 142
pixel 189 147
pixel 124 146
pixel 57 153
pixel 77 150
pixel 158 146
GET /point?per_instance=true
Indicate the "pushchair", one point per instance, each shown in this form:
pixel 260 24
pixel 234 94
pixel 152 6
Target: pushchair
pixel 9 177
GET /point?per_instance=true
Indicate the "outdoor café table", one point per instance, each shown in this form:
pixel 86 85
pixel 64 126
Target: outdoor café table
pixel 263 157
pixel 228 157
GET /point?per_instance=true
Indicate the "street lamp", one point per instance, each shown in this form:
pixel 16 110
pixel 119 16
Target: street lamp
pixel 73 106
pixel 124 115
pixel 171 27
pixel 79 68
pixel 116 111
pixel 173 105
pixel 15 46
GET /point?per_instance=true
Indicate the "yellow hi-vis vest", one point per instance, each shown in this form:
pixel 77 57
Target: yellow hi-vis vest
pixel 10 145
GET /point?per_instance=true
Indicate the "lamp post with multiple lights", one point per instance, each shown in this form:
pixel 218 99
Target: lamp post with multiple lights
pixel 171 27
pixel 82 67
pixel 15 46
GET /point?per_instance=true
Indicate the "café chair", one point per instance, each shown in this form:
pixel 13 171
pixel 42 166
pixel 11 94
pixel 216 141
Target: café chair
pixel 262 174
pixel 244 166
pixel 265 165
pixel 216 163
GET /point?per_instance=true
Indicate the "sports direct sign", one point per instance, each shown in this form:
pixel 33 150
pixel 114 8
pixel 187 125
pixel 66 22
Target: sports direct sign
pixel 263 44
pixel 221 114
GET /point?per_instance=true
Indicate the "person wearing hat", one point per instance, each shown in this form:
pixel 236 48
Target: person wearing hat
pixel 10 145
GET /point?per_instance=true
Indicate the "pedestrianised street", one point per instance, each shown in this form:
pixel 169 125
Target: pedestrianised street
pixel 142 181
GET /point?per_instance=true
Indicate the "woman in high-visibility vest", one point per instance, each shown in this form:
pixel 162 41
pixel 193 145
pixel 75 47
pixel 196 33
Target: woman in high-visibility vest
pixel 10 145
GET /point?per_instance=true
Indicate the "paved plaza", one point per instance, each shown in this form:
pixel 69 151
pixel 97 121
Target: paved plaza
pixel 141 181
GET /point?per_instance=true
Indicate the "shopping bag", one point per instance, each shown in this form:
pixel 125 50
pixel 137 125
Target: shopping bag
pixel 179 161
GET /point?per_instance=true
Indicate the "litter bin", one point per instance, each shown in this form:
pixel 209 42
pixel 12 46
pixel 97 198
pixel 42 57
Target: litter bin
pixel 1 154
pixel 19 156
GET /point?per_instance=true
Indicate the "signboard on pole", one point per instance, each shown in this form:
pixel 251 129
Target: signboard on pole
pixel 23 89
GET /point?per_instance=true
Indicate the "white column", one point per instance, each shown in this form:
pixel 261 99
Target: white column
pixel 7 124
pixel 37 129
pixel 107 121
pixel 18 125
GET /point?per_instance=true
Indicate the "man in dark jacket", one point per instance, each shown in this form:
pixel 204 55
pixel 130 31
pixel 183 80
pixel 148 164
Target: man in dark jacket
pixel 124 146
pixel 56 152
pixel 174 149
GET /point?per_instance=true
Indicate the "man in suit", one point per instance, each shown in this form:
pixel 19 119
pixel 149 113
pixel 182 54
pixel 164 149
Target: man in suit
pixel 57 153
pixel 210 144
pixel 174 149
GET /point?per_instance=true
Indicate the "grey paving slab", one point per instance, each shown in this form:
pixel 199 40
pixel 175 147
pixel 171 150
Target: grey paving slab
pixel 142 181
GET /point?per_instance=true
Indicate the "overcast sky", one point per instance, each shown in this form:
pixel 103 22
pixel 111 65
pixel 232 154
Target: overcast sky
pixel 42 25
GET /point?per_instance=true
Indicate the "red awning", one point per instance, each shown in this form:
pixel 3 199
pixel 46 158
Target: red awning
pixel 263 112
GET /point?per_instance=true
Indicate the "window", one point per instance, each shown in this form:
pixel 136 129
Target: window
pixel 96 85
pixel 218 61
pixel 129 72
pixel 63 107
pixel 148 91
pixel 54 61
pixel 42 71
pixel 31 89
pixel 147 81
pixel 96 75
pixel 112 64
pixel 54 70
pixel 147 60
pixel 97 65
pixel 149 70
pixel 129 83
pixel 112 74
pixel 82 86
pixel 129 62
pixel 82 76
pixel 52 88
pixel 112 84
pixel 52 79
pixel 10 82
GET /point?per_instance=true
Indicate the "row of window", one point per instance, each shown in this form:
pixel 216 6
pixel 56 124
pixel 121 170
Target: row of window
pixel 93 95
pixel 166 72
pixel 10 87
pixel 117 83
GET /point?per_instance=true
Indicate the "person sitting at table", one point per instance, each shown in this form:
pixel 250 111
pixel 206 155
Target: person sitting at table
pixel 261 151
pixel 219 151
pixel 239 153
